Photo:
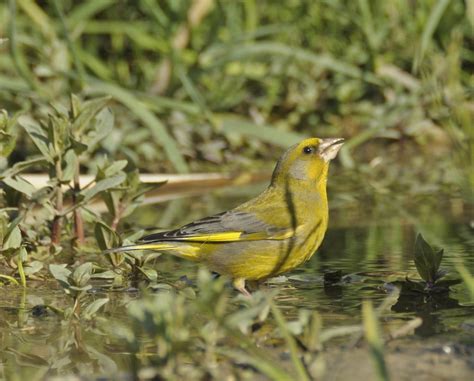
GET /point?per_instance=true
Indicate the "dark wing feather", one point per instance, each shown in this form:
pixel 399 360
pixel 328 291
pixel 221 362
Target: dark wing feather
pixel 229 226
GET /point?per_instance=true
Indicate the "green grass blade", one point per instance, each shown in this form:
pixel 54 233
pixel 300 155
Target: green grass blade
pixel 428 31
pixel 290 342
pixel 374 340
pixel 17 56
pixel 39 17
pixel 137 107
pixel 87 10
pixel 70 43
pixel 234 125
pixel 10 279
pixel 224 54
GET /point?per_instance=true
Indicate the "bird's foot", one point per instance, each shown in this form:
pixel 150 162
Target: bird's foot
pixel 239 285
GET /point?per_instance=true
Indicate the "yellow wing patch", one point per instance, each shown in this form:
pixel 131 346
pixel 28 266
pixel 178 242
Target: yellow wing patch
pixel 213 237
pixel 239 236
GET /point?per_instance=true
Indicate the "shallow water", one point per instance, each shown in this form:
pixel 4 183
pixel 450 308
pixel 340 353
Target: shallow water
pixel 363 256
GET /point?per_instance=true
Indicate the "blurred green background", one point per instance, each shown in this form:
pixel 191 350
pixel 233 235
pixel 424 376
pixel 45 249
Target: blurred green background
pixel 219 85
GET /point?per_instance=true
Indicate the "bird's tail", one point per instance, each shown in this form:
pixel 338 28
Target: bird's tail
pixel 183 251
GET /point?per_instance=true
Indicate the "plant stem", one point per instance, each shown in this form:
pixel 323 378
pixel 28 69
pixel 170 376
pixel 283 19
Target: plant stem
pixel 118 216
pixel 78 222
pixel 21 271
pixel 57 221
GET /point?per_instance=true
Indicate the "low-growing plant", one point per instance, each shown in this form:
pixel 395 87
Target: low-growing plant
pixel 40 218
pixel 76 283
pixel 428 262
pixel 202 327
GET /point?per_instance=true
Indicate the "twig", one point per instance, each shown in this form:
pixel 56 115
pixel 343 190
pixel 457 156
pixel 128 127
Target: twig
pixel 78 222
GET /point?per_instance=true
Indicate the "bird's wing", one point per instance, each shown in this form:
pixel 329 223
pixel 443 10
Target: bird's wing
pixel 229 226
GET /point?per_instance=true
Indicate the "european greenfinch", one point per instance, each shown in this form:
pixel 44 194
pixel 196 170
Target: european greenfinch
pixel 270 234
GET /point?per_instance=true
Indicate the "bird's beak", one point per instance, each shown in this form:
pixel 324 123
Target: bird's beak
pixel 328 148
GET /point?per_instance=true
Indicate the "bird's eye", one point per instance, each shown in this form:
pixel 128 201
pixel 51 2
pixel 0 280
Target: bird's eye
pixel 308 150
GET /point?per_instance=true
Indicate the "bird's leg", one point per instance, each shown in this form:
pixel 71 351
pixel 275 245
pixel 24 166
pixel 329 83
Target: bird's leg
pixel 239 285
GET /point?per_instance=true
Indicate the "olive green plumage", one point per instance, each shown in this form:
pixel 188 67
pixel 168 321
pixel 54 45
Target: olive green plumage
pixel 268 235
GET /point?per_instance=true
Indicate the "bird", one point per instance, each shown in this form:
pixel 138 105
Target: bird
pixel 268 235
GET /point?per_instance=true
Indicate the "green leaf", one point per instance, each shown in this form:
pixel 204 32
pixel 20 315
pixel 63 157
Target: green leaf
pixel 3 226
pixel 13 239
pixel 94 307
pixel 88 111
pixel 108 274
pixel 115 168
pixel 33 267
pixel 21 185
pixel 102 185
pixel 7 137
pixel 21 166
pixel 104 123
pixel 105 236
pixel 61 274
pixel 423 256
pixel 82 274
pixel 7 143
pixel 71 160
pixel 57 134
pixel 78 146
pixel 75 104
pixel 150 274
pixel 38 135
pixel 427 262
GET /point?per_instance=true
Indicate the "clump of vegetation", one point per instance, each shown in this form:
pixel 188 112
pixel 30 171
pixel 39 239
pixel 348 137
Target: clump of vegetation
pixel 427 263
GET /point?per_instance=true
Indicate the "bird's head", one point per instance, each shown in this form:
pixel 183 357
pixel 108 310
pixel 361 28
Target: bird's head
pixel 307 161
